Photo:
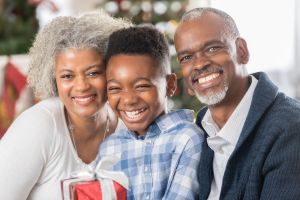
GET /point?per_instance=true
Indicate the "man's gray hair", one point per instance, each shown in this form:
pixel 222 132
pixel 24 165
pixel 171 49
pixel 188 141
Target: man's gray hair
pixel 230 27
pixel 90 30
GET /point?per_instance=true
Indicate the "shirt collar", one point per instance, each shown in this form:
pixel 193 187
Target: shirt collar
pixel 236 120
pixel 164 123
pixel 169 120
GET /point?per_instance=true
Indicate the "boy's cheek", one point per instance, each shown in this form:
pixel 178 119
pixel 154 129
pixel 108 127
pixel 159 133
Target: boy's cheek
pixel 112 103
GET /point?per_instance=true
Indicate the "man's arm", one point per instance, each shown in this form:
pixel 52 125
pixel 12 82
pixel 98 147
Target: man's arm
pixel 281 170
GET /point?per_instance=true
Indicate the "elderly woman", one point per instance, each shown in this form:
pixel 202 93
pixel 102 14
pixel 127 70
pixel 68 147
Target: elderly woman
pixel 62 132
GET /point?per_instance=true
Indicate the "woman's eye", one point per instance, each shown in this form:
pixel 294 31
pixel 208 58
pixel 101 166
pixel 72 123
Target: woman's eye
pixel 66 76
pixel 94 73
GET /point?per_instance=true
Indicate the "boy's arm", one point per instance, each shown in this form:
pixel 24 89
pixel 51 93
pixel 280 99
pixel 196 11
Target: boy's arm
pixel 184 184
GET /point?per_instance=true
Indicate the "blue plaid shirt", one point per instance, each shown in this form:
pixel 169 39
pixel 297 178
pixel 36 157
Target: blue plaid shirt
pixel 163 164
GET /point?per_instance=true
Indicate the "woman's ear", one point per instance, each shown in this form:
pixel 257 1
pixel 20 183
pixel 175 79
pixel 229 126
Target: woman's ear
pixel 242 51
pixel 171 84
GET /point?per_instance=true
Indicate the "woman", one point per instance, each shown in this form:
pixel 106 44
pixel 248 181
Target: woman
pixel 61 133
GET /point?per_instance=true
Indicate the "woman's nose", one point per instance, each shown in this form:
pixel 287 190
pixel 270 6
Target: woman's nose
pixel 82 83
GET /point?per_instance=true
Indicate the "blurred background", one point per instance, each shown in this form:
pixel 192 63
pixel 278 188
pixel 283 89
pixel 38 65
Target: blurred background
pixel 270 27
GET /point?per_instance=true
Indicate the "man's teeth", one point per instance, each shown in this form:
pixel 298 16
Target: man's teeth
pixel 134 114
pixel 207 78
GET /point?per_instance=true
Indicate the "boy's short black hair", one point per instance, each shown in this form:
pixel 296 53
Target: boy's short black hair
pixel 140 40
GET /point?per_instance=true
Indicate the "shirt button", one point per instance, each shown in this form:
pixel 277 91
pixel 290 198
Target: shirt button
pixel 149 142
pixel 221 151
pixel 146 169
pixel 147 197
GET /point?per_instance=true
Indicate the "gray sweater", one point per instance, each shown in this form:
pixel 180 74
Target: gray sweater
pixel 266 161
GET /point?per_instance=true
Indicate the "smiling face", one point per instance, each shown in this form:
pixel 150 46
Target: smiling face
pixel 81 82
pixel 136 89
pixel 211 61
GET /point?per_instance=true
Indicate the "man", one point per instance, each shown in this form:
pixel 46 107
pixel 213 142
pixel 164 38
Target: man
pixel 252 129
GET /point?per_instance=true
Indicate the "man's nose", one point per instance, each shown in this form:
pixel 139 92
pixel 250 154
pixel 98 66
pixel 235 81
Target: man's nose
pixel 200 61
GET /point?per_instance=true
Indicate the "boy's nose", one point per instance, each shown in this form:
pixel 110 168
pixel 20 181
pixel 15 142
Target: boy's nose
pixel 129 97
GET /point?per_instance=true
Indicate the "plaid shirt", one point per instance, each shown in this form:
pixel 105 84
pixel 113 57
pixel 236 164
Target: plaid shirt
pixel 163 164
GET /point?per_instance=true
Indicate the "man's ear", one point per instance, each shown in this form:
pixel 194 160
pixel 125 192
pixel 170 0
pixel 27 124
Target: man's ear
pixel 242 51
pixel 171 84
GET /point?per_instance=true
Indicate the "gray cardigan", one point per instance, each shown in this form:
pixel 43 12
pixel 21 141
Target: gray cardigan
pixel 266 161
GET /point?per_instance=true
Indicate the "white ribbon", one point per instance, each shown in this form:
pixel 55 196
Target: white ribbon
pixel 103 173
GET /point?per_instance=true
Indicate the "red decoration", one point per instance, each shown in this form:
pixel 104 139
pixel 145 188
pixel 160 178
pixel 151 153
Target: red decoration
pixel 14 83
pixel 118 1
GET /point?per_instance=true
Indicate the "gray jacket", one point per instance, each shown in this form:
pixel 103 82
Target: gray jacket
pixel 266 161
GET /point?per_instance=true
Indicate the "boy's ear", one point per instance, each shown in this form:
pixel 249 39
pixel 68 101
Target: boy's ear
pixel 171 84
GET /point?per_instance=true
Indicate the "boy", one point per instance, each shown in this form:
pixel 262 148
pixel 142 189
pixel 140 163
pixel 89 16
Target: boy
pixel 160 151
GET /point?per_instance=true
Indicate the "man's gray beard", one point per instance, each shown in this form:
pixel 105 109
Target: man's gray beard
pixel 213 97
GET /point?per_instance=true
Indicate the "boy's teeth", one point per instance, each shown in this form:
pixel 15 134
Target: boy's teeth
pixel 207 78
pixel 133 114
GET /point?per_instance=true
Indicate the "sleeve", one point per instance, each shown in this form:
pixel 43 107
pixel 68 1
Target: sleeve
pixel 281 171
pixel 24 151
pixel 184 184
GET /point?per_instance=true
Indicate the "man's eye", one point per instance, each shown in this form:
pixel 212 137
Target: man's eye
pixel 213 49
pixel 185 59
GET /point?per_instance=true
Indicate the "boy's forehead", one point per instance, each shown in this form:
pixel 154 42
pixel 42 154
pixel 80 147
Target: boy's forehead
pixel 144 60
pixel 135 64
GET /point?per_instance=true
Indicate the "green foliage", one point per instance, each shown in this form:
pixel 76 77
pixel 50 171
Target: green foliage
pixel 17 27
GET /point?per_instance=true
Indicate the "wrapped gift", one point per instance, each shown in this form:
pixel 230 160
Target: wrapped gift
pixel 97 184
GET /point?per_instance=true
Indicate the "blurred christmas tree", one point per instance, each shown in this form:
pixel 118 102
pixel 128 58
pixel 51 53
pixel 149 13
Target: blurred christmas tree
pixel 17 26
pixel 165 15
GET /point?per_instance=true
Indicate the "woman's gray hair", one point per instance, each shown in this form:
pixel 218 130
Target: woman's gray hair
pixel 90 30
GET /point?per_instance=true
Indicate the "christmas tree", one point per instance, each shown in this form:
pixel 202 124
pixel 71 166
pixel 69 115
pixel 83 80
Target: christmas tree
pixel 165 15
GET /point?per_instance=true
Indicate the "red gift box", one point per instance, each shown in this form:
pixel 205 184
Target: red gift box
pixel 97 184
pixel 92 190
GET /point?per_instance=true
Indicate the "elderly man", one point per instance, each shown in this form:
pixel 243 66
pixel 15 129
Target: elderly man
pixel 252 130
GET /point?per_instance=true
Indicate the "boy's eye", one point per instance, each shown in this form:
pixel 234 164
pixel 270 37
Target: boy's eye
pixel 113 89
pixel 143 87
